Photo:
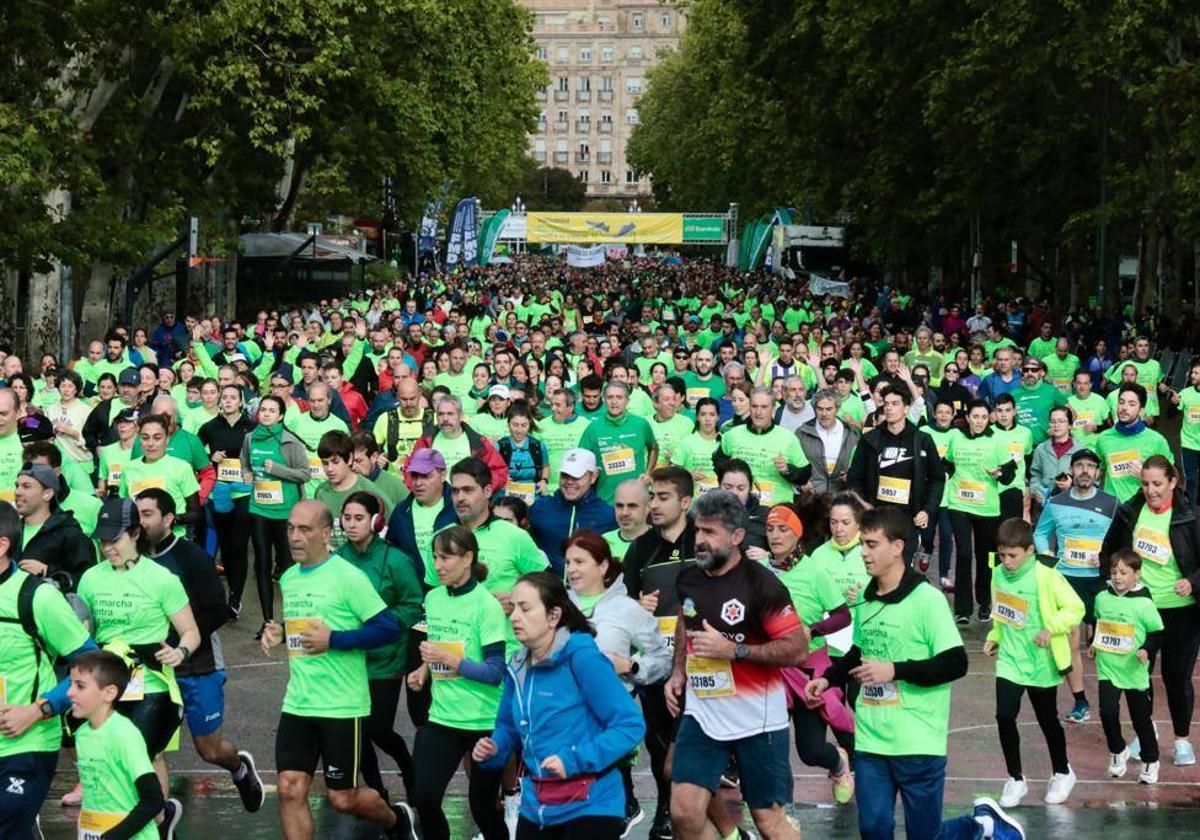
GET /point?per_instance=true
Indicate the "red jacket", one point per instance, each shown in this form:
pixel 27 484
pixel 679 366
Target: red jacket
pixel 356 406
pixel 481 448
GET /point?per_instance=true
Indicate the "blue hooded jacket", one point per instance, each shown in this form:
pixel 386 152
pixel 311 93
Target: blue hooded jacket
pixel 571 705
pixel 403 535
pixel 552 519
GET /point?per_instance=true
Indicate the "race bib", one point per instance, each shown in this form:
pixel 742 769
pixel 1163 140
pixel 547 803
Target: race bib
pixel 694 395
pixel 145 484
pixel 1120 464
pixel 765 490
pixel 619 461
pixel 315 471
pixel 1083 418
pixel 709 482
pixel 9 495
pixel 1081 553
pixel 114 473
pixel 1193 414
pixel 3 691
pixel 971 492
pixel 443 672
pixel 136 688
pixel 894 490
pixel 526 491
pixel 710 677
pixel 1151 545
pixel 230 469
pixel 880 694
pixel 94 824
pixel 1017 450
pixel 1114 637
pixel 268 492
pixel 666 629
pixel 942 449
pixel 1010 610
pixel 293 627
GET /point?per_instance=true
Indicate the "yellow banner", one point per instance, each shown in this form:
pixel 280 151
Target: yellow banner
pixel 632 228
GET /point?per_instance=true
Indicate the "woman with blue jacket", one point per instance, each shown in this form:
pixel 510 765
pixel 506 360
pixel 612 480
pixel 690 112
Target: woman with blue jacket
pixel 567 710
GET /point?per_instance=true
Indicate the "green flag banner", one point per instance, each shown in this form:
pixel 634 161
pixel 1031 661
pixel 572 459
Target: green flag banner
pixel 489 235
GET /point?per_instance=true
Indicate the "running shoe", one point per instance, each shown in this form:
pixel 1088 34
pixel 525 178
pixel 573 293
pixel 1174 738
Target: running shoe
pixel 235 610
pixel 406 822
pixel 250 788
pixel 1149 774
pixel 922 559
pixel 1060 787
pixel 985 614
pixel 962 620
pixel 843 782
pixel 661 828
pixel 731 778
pixel 1082 713
pixel 74 797
pixel 172 814
pixel 1014 792
pixel 1004 827
pixel 946 584
pixel 1117 763
pixel 633 815
pixel 512 809
pixel 1185 756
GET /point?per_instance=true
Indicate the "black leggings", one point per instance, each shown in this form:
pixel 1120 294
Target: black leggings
pixel 1141 713
pixel 438 750
pixel 974 542
pixel 1008 705
pixel 600 828
pixel 1012 503
pixel 660 733
pixel 811 745
pixel 233 537
pixel 270 548
pixel 1180 641
pixel 380 731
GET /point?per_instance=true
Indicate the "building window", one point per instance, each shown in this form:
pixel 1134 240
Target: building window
pixel 635 52
pixel 631 116
pixel 630 177
pixel 605 176
pixel 606 118
pixel 639 20
pixel 542 53
pixel 666 20
pixel 606 83
pixel 583 176
pixel 633 85
pixel 562 116
pixel 564 54
pixel 560 145
pixel 606 53
pixel 585 83
pixel 585 115
pixel 585 53
pixel 564 83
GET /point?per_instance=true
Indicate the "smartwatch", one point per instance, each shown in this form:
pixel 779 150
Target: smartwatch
pixel 184 650
pixel 46 709
pixel 741 651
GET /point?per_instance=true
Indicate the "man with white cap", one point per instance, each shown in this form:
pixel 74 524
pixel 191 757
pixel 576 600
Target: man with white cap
pixel 574 505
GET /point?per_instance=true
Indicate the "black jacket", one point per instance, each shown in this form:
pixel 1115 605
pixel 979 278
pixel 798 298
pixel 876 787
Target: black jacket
pixel 196 570
pixel 653 565
pixel 929 479
pixel 61 545
pixel 1184 533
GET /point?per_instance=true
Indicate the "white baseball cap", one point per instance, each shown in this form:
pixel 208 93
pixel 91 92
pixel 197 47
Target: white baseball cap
pixel 577 463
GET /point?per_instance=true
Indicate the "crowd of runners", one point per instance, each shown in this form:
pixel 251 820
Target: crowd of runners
pixel 568 515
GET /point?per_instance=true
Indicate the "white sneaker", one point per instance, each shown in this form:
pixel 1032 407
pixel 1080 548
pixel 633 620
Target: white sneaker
pixel 1117 762
pixel 1014 792
pixel 512 811
pixel 1149 774
pixel 1060 787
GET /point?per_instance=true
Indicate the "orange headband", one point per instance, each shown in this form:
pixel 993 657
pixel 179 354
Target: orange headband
pixel 782 515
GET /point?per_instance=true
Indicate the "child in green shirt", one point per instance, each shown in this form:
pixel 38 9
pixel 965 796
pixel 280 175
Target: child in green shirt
pixel 1128 631
pixel 1033 611
pixel 121 794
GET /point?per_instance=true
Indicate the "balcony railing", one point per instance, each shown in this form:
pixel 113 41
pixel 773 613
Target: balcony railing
pixel 583 126
pixel 562 157
pixel 606 128
pixel 583 96
pixel 562 95
pixel 583 157
pixel 605 96
pixel 603 157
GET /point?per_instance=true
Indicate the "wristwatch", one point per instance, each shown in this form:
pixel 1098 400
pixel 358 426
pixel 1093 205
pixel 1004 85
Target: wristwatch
pixel 184 650
pixel 46 709
pixel 633 667
pixel 741 651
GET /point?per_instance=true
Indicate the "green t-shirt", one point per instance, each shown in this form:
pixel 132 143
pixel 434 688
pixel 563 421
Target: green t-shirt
pixel 851 410
pixel 1149 374
pixel 62 633
pixel 491 427
pixel 1033 408
pixel 1189 407
pixel 1017 614
pixel 334 499
pixel 453 449
pixel 111 759
pixel 942 439
pixel 1019 442
pixel 669 433
pixel 759 451
pixel 508 552
pixel 332 684
pixel 844 566
pixel 990 347
pixel 391 487
pixel 113 459
pixel 698 388
pixel 1060 372
pixel 465 623
pixel 1118 452
pixel 1122 623
pixel 813 591
pixel 183 445
pixel 309 431
pixel 12 459
pixel 621 446
pixel 423 522
pixel 1160 571
pixel 1040 347
pixel 972 489
pixel 85 508
pixel 1092 409
pixel 616 543
pixel 559 438
pixel 694 453
pixel 133 606
pixel 933 360
pixel 459 383
pixel 899 718
pixel 168 473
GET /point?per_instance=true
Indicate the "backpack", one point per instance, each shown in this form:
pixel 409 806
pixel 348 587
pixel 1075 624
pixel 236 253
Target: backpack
pixel 29 625
pixel 504 446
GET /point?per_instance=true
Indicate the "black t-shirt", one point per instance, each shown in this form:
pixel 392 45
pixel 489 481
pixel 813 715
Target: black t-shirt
pixel 654 564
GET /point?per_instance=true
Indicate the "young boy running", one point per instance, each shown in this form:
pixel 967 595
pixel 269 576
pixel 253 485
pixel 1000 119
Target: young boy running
pixel 1034 610
pixel 1128 630
pixel 121 794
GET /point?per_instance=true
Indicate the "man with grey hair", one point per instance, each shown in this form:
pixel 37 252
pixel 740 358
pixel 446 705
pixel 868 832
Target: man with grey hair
pixel 457 441
pixel 925 354
pixel 794 412
pixel 736 628
pixel 828 443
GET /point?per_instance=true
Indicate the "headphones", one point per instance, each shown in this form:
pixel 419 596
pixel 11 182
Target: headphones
pixel 378 522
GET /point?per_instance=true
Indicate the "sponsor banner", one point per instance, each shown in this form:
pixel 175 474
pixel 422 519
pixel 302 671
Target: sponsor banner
pixel 580 257
pixel 620 228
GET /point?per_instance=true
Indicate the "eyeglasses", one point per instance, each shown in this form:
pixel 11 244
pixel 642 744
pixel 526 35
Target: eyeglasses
pixel 1032 370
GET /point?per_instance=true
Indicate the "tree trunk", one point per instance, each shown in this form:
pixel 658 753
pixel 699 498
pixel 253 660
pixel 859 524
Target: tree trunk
pixel 97 314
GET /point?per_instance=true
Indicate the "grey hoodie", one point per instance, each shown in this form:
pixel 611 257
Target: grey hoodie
pixel 624 628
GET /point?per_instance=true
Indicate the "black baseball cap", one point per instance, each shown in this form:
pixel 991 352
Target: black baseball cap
pixel 1085 454
pixel 116 516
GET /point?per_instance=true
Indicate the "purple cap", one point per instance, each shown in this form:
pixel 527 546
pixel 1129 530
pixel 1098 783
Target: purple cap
pixel 426 461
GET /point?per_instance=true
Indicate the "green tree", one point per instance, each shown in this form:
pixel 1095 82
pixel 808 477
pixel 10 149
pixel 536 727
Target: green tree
pixel 551 188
